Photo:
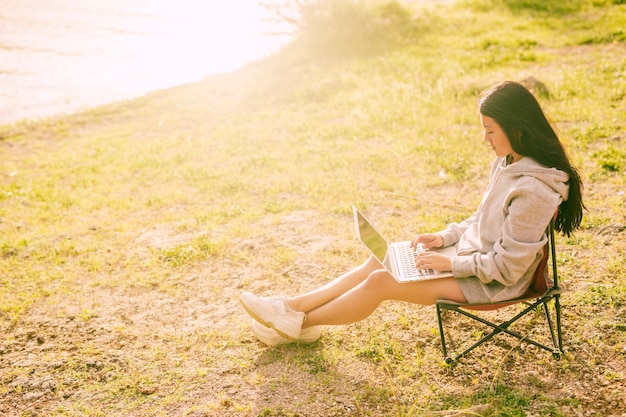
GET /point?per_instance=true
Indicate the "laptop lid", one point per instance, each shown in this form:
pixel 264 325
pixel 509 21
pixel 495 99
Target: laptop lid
pixel 366 233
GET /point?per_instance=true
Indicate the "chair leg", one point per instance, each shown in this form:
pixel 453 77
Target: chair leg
pixel 497 329
pixel 504 328
pixel 557 309
pixel 556 334
pixel 546 309
pixel 443 337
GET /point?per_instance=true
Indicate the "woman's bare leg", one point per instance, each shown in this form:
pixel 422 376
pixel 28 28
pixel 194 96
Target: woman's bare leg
pixel 360 301
pixel 335 288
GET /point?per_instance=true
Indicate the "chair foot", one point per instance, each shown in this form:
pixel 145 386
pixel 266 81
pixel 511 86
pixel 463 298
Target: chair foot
pixel 557 355
pixel 449 360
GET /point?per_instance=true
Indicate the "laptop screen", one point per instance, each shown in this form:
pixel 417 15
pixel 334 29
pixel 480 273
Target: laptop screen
pixel 369 236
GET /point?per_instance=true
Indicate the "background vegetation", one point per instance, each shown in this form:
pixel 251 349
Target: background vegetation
pixel 128 231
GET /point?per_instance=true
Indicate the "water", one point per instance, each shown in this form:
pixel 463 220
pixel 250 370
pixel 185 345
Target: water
pixel 60 56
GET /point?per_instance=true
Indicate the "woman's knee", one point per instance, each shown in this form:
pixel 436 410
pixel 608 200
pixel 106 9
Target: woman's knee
pixel 379 280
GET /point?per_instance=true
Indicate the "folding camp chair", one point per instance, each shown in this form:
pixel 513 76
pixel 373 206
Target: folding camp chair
pixel 542 291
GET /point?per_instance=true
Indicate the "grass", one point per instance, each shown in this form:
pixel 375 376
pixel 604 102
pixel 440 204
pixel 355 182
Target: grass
pixel 127 231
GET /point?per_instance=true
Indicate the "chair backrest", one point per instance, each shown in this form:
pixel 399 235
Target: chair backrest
pixel 542 281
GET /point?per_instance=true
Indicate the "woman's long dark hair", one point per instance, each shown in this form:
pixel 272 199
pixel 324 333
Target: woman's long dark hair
pixel 530 133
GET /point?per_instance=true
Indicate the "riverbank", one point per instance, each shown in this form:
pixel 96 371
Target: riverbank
pixel 64 57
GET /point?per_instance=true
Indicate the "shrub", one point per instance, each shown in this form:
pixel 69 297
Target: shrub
pixel 336 28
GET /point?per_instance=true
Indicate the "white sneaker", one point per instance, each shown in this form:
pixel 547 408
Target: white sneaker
pixel 267 335
pixel 310 334
pixel 274 313
pixel 272 339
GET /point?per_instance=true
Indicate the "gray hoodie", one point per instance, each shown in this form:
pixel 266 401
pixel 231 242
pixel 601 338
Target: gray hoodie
pixel 500 246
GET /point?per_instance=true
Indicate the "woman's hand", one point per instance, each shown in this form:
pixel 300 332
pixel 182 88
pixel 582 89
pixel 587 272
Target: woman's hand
pixel 429 241
pixel 433 260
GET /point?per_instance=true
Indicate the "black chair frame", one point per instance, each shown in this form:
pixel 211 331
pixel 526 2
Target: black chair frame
pixel 541 292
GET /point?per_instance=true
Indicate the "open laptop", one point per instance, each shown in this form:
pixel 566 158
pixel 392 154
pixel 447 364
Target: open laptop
pixel 397 257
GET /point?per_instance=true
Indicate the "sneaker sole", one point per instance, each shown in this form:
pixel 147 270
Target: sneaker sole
pixel 272 339
pixel 266 323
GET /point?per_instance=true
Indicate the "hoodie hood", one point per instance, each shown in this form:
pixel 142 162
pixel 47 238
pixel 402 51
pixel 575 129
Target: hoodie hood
pixel 527 167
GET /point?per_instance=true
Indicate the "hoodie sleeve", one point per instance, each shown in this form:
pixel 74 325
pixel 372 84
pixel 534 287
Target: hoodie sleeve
pixel 527 212
pixel 454 231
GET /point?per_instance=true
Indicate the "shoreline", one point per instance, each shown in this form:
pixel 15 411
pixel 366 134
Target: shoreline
pixel 59 110
pixel 63 59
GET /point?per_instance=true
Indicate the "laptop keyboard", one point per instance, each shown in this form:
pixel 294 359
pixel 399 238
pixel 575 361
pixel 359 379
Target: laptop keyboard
pixel 406 258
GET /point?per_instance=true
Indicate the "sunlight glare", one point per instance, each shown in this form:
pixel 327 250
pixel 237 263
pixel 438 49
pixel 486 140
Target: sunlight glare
pixel 193 39
pixel 64 55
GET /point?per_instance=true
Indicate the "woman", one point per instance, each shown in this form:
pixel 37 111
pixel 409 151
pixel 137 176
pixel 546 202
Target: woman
pixel 498 248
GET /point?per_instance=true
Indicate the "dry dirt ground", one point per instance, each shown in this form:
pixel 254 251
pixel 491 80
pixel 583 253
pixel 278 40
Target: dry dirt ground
pixel 101 345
